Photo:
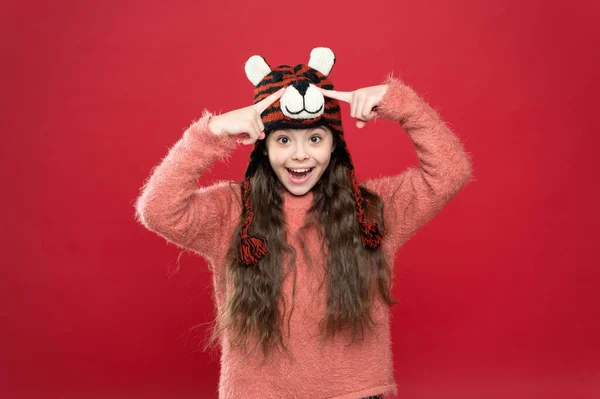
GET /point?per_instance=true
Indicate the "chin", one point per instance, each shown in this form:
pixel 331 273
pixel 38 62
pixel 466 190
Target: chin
pixel 299 191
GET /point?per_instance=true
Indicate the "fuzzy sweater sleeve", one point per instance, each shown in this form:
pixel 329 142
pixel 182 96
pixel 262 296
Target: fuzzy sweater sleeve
pixel 171 204
pixel 414 197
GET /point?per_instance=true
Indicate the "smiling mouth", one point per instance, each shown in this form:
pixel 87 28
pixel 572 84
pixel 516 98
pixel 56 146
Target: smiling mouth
pixel 304 110
pixel 299 175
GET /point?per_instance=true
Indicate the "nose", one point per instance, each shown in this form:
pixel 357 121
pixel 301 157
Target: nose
pixel 300 153
pixel 301 86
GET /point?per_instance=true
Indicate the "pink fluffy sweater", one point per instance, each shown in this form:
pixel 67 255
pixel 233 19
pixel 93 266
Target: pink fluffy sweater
pixel 203 220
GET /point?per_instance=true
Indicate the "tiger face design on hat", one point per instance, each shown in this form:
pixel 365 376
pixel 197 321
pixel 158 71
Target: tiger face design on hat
pixel 302 104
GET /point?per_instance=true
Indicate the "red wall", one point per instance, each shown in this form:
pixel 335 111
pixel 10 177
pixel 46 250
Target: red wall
pixel 498 293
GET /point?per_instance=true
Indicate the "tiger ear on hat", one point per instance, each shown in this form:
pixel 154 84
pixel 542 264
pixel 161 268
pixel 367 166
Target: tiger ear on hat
pixel 322 59
pixel 256 69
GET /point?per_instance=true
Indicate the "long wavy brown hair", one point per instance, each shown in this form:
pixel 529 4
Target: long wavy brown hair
pixel 354 273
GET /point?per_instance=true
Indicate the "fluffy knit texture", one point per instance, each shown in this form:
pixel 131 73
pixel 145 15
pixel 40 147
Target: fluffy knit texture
pixel 204 219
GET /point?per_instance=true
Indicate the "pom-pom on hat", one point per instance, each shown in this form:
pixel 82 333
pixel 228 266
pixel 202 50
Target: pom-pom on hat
pixel 301 106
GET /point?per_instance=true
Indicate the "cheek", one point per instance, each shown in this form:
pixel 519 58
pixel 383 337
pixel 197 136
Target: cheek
pixel 276 158
pixel 323 157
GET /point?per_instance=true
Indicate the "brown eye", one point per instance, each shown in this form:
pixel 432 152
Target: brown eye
pixel 315 139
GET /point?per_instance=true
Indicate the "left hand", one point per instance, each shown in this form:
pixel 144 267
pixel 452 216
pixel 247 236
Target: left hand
pixel 363 102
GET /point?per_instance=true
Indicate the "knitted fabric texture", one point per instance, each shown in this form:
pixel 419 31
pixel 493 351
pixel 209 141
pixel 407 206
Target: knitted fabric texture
pixel 302 106
pixel 203 220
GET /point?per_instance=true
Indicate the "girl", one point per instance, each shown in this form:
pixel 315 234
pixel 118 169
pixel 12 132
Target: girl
pixel 301 254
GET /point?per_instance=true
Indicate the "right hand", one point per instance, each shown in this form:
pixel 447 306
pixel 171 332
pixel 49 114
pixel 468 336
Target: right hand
pixel 245 122
pixel 363 102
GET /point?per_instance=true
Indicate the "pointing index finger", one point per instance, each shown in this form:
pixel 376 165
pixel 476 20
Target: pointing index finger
pixel 338 95
pixel 266 102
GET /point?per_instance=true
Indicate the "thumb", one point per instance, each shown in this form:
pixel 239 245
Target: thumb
pixel 360 124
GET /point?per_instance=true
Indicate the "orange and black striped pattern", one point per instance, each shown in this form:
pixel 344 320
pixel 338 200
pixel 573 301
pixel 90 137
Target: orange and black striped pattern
pixel 284 76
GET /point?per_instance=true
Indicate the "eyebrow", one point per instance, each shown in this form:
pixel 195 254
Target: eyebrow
pixel 308 131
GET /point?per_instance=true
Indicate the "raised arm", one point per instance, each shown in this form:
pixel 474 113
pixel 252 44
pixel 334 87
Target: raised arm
pixel 413 197
pixel 416 195
pixel 201 219
pixel 172 205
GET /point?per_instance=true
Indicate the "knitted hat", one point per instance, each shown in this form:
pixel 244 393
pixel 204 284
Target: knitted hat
pixel 301 106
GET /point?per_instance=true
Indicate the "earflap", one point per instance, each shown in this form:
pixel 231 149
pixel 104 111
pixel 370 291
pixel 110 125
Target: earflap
pixel 256 69
pixel 322 59
pixel 252 248
pixel 370 232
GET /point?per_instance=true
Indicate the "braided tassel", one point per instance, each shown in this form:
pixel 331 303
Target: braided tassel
pixel 369 231
pixel 252 248
pixel 370 234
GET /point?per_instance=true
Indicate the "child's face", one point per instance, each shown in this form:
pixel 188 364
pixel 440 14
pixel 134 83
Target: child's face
pixel 299 156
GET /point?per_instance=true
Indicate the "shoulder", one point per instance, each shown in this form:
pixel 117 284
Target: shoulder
pixel 218 214
pixel 384 186
pixel 223 187
pixel 223 193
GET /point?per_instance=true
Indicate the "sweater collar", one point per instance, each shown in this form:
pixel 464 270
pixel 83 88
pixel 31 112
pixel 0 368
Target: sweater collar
pixel 296 203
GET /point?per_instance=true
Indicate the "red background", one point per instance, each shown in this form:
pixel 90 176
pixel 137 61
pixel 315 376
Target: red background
pixel 498 294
